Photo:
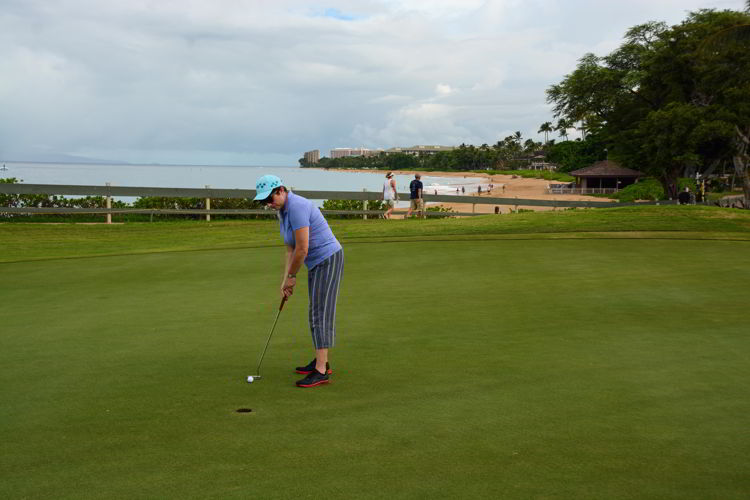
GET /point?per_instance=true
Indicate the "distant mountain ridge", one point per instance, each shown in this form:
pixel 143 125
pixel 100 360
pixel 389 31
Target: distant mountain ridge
pixel 61 158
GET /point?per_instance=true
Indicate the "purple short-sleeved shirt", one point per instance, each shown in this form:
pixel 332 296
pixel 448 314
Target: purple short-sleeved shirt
pixel 299 212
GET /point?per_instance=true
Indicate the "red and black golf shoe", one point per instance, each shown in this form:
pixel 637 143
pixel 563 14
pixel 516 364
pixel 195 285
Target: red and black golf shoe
pixel 306 370
pixel 314 379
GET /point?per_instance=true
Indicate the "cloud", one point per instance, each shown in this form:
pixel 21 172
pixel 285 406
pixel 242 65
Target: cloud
pixel 245 81
pixel 443 89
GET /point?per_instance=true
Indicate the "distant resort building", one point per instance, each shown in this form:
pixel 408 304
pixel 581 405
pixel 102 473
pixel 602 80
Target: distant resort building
pixel 312 156
pixel 420 150
pixel 345 152
pixel 535 161
pixel 542 165
pixel 413 150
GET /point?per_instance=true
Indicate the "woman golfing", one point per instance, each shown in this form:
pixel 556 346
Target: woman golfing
pixel 308 239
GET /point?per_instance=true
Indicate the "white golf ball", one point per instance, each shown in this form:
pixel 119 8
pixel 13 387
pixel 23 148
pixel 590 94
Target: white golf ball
pixel 250 379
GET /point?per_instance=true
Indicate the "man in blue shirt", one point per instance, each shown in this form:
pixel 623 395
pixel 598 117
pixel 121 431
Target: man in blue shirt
pixel 416 201
pixel 308 240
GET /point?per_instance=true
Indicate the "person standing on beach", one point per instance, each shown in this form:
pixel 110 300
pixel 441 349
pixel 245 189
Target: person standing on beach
pixel 308 238
pixel 416 200
pixel 390 195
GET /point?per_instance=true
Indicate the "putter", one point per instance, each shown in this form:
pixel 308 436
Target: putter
pixel 252 378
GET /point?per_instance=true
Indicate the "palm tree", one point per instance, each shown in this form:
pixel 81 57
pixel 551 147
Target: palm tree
pixel 562 126
pixel 514 142
pixel 547 128
pixel 530 146
pixel 582 128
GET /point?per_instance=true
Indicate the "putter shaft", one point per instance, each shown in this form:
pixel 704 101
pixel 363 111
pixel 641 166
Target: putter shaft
pixel 270 334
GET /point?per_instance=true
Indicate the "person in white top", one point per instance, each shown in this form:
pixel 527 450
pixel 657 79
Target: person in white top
pixel 390 195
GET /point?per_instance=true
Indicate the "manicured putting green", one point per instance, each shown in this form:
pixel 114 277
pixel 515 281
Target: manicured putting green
pixel 556 369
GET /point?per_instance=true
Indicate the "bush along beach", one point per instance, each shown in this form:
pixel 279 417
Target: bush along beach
pixel 144 203
pixel 646 190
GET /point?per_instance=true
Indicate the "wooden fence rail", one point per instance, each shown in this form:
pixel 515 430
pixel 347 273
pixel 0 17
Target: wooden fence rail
pixel 60 189
pixel 109 191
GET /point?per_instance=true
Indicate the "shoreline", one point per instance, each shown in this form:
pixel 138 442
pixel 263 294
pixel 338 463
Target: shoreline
pixel 505 186
pixel 423 173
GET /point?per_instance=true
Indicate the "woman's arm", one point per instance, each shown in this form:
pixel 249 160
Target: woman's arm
pixel 287 261
pixel 295 258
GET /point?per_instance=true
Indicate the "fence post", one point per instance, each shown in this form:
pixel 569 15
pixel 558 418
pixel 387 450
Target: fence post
pixel 364 205
pixel 208 206
pixel 109 205
pixel 516 205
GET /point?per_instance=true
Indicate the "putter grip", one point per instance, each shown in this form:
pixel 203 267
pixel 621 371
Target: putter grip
pixel 281 306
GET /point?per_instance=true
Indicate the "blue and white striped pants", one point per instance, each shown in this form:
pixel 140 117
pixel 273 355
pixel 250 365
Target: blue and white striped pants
pixel 323 283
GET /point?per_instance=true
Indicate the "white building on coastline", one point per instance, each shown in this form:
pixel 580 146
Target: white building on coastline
pixel 420 150
pixel 413 150
pixel 312 156
pixel 344 152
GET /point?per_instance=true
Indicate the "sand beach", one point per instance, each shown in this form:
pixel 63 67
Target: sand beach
pixel 505 186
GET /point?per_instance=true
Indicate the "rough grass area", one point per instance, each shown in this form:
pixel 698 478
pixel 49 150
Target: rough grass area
pixel 509 363
pixel 42 241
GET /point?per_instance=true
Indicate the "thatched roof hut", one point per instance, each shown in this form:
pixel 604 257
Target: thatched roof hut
pixel 605 174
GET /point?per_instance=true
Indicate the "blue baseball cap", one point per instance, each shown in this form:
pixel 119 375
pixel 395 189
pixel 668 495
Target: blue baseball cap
pixel 264 185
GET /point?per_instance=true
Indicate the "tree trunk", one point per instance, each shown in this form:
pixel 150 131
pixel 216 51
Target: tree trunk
pixel 742 161
pixel 669 181
pixel 712 168
pixel 740 166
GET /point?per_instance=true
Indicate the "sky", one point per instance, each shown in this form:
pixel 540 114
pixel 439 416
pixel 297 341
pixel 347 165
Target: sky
pixel 258 82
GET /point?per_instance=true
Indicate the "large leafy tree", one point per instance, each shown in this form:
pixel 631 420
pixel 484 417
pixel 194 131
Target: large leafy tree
pixel 669 101
pixel 572 155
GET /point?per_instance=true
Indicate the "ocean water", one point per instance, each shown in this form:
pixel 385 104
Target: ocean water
pixel 192 176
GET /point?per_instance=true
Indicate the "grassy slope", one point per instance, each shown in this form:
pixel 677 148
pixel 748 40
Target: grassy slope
pixel 534 368
pixel 39 241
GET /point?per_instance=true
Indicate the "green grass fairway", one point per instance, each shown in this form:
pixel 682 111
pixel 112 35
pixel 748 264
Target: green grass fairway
pixel 23 241
pixel 521 367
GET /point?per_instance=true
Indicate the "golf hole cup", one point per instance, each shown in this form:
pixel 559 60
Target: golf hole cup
pixel 250 379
